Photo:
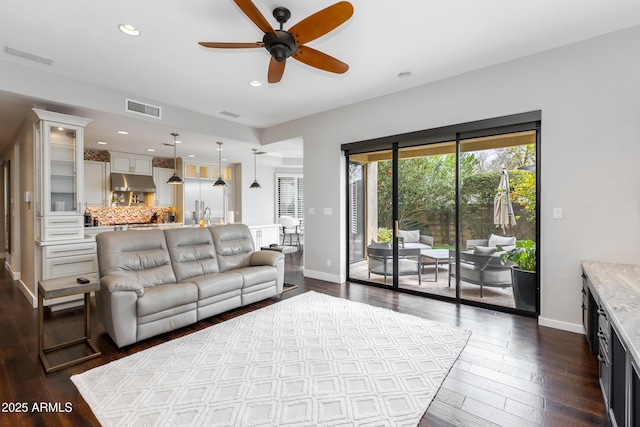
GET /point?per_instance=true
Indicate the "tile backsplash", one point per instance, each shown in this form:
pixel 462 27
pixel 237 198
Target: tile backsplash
pixel 129 214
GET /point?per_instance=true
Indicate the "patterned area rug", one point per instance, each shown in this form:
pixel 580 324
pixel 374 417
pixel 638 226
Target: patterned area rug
pixel 311 360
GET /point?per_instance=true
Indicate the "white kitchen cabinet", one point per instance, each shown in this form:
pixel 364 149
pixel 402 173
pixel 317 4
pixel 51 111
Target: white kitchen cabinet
pixel 136 164
pixel 97 184
pixel 66 259
pixel 59 167
pixel 265 235
pixel 197 171
pixel 165 193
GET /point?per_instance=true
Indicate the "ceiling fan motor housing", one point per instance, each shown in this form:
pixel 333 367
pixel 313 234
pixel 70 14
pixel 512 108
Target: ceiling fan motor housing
pixel 280 46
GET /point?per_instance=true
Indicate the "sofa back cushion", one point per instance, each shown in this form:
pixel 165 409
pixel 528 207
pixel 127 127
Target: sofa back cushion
pixel 140 255
pixel 192 252
pixel 506 242
pixel 410 236
pixel 233 245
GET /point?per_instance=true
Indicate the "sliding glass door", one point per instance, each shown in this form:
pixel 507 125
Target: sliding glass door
pixel 437 214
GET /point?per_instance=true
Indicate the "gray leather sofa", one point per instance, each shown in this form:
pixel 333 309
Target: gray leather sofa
pixel 155 281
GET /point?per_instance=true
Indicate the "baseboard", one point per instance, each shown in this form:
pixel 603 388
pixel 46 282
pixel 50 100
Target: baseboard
pixel 327 277
pixel 564 326
pixel 28 294
pixel 14 275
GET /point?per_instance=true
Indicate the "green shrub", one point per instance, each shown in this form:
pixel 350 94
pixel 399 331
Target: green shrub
pixel 385 235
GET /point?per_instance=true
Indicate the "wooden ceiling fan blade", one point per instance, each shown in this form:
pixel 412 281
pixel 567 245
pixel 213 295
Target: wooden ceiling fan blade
pixel 255 15
pixel 320 60
pixel 231 45
pixel 321 22
pixel 276 70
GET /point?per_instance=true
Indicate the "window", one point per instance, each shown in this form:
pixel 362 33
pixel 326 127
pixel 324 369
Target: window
pixel 290 195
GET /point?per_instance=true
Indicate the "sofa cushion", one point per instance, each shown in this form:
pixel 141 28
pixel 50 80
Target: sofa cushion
pixel 219 283
pixel 501 241
pixel 410 236
pixel 192 252
pixel 140 255
pixel 234 246
pixel 165 297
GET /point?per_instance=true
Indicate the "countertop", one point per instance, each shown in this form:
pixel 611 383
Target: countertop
pixel 618 292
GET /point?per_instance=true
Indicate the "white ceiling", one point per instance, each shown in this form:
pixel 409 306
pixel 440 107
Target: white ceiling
pixel 431 39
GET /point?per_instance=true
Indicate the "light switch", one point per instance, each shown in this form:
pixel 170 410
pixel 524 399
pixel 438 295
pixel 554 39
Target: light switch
pixel 328 211
pixel 557 213
pixel 312 211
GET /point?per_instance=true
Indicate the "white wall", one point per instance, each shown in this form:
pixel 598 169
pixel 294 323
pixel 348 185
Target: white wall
pixel 589 94
pixel 257 206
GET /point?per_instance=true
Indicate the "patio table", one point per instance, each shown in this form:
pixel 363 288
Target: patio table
pixel 434 255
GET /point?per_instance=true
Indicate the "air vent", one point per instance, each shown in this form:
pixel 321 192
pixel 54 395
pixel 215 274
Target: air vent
pixel 145 109
pixel 230 114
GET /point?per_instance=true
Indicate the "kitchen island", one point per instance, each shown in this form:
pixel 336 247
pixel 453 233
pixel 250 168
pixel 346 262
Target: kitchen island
pixel 611 304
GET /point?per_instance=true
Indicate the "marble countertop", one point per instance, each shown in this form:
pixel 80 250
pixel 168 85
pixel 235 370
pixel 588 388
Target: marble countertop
pixel 618 291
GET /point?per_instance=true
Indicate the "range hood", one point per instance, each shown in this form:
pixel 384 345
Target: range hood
pixel 129 182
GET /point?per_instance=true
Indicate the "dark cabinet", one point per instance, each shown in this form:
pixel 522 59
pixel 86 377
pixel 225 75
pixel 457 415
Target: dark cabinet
pixel 618 369
pixel 618 395
pixel 589 316
pixel 635 396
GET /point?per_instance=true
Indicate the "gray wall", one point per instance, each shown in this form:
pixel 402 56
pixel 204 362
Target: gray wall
pixel 589 94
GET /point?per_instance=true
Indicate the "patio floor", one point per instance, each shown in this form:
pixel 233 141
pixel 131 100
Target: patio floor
pixel 497 296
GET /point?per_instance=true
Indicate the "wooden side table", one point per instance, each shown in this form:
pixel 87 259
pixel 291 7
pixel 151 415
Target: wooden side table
pixel 62 287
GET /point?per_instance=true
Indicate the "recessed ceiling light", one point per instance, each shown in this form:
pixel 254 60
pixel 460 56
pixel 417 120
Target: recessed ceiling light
pixel 123 132
pixel 255 83
pixel 129 29
pixel 60 128
pixel 404 74
pixel 178 142
pixel 102 143
pixel 191 155
pixel 151 149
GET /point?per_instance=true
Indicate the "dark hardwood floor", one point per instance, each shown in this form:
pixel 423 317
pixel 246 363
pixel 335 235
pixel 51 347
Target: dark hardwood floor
pixel 511 373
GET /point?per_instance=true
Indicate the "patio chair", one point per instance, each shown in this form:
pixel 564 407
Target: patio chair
pixel 413 239
pixel 492 242
pixel 483 270
pixel 290 226
pixel 380 259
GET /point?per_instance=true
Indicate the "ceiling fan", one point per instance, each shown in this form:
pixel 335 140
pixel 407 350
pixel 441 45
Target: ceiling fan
pixel 283 44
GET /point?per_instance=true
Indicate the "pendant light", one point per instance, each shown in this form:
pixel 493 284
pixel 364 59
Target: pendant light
pixel 255 170
pixel 220 182
pixel 175 179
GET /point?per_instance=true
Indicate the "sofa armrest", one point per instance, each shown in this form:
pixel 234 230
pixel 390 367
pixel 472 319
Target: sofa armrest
pixel 428 240
pixel 472 243
pixel 266 258
pixel 119 282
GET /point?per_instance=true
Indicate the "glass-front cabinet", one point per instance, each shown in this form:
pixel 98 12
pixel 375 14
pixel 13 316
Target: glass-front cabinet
pixel 59 165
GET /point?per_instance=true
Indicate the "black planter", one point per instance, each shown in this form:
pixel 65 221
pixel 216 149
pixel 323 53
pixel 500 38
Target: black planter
pixel 524 289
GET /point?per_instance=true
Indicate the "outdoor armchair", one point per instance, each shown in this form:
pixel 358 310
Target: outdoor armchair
pixel 380 261
pixel 411 239
pixel 482 270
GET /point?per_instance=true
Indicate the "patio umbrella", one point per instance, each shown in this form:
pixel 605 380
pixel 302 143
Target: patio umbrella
pixel 502 209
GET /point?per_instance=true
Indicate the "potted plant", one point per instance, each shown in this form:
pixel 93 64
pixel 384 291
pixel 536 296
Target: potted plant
pixel 523 273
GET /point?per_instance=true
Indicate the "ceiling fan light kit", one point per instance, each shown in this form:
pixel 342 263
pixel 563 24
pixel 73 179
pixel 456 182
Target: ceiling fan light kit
pixel 283 44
